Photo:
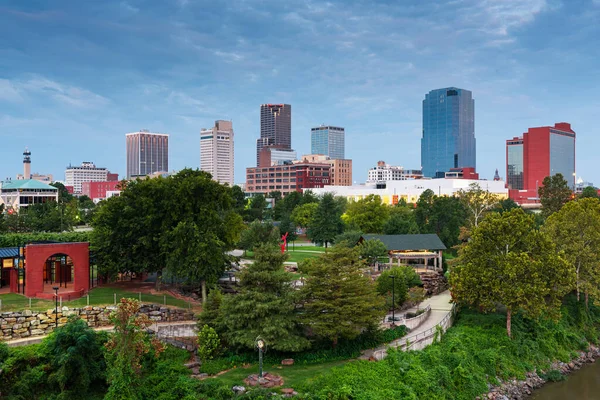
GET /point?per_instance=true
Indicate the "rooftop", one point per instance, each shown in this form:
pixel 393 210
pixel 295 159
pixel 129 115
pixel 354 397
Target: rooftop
pixel 30 184
pixel 409 242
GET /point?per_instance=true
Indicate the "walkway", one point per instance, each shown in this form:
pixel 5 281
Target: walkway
pixel 160 326
pixel 440 308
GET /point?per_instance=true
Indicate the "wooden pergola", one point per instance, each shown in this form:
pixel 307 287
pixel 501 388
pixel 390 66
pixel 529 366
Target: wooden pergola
pixel 403 248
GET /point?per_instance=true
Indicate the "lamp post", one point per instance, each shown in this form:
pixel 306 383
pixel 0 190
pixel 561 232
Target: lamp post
pixel 393 299
pixel 261 348
pixel 55 306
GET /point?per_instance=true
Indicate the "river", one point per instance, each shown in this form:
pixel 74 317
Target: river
pixel 580 385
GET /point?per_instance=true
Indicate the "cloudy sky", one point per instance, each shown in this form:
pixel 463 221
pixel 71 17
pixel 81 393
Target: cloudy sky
pixel 76 75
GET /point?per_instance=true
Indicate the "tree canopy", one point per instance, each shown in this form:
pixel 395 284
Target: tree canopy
pixel 367 215
pixel 402 221
pixel 477 202
pixel 326 222
pixel 589 191
pixel 554 193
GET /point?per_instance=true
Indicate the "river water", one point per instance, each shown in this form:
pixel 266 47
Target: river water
pixel 580 385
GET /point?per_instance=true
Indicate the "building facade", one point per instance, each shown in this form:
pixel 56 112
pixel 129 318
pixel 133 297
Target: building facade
pixel 328 140
pixel 86 172
pixel 384 172
pixel 22 193
pixel 392 192
pixel 448 131
pixel 341 169
pixel 541 152
pixel 275 127
pixel 217 152
pixel 98 190
pixel 273 155
pixel 146 153
pixel 287 178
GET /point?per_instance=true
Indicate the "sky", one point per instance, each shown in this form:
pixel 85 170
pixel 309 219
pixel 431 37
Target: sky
pixel 76 75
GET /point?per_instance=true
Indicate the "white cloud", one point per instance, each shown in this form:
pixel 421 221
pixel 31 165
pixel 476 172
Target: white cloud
pixel 9 92
pixel 229 56
pixel 126 6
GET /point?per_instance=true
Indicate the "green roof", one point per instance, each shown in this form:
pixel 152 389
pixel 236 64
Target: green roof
pixel 409 242
pixel 30 184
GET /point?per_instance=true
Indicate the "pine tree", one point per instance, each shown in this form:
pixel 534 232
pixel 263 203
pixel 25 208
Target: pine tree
pixel 265 306
pixel 326 223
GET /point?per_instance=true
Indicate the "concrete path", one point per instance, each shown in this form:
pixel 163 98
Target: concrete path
pixel 38 339
pixel 440 307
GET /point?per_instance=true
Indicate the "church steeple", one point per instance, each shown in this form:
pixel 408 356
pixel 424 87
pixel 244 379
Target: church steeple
pixel 496 175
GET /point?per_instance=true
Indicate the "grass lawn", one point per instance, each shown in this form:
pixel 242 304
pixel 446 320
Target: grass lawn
pixel 297 256
pixel 98 296
pixel 292 375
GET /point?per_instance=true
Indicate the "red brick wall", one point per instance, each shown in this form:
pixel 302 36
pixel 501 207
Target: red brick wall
pixel 36 256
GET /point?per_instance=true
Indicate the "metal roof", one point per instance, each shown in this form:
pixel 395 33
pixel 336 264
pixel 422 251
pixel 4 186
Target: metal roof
pixel 409 242
pixel 31 184
pixel 9 252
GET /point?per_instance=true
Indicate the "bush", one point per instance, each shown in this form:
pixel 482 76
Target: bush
pixel 553 376
pixel 208 343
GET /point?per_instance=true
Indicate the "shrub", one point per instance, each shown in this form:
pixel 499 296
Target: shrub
pixel 208 343
pixel 553 376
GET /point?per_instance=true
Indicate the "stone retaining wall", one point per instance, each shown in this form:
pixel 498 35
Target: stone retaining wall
pixel 22 324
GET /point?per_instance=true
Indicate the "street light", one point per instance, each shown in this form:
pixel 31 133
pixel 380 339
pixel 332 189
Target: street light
pixel 393 299
pixel 261 348
pixel 55 306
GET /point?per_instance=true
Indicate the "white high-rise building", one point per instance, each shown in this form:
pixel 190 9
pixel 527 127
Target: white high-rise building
pixel 384 172
pixel 147 153
pixel 87 172
pixel 216 151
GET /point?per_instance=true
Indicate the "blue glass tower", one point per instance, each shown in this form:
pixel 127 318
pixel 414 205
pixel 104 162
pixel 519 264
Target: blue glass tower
pixel 328 140
pixel 448 131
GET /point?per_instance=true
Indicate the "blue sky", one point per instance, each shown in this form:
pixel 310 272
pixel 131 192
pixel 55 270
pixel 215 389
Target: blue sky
pixel 76 75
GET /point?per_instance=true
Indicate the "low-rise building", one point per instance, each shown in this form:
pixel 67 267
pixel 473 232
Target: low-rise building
pixel 384 172
pixel 22 193
pixel 275 155
pixel 341 169
pixel 86 172
pixel 99 190
pixel 392 192
pixel 287 178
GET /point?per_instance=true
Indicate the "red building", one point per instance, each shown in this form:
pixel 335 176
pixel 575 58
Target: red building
pixel 70 189
pixel 287 178
pixel 97 190
pixel 540 152
pixel 462 173
pixel 110 177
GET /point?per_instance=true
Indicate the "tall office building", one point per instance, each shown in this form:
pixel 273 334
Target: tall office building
pixel 147 153
pixel 328 140
pixel 448 131
pixel 275 127
pixel 216 151
pixel 540 152
pixel 87 172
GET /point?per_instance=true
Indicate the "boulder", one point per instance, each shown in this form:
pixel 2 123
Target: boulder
pixel 287 361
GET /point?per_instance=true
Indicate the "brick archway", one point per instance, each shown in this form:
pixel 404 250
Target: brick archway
pixel 36 256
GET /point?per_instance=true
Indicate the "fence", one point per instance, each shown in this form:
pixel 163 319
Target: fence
pixel 96 297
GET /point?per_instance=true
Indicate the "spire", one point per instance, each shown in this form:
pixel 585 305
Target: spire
pixel 496 176
pixel 27 158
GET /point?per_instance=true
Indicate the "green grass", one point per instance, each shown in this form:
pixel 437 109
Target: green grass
pixel 98 297
pixel 292 375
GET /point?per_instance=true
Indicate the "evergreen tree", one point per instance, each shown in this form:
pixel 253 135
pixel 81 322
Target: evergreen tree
pixel 326 223
pixel 265 305
pixel 554 193
pixel 340 300
pixel 258 233
pixel 212 313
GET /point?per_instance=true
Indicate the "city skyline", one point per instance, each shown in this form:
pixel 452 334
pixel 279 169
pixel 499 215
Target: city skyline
pixel 69 73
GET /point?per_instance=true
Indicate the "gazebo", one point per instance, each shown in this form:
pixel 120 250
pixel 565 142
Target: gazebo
pixel 412 247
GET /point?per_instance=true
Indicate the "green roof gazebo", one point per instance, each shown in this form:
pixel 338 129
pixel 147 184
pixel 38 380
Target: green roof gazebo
pixel 412 247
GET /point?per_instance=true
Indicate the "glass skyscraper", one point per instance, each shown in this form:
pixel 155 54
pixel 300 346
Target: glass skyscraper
pixel 448 131
pixel 514 163
pixel 328 140
pixel 275 127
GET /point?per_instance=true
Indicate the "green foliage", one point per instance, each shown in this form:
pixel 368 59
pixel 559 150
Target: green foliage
pixel 208 343
pixel 509 262
pixel 371 250
pixel 477 202
pixel 415 296
pixel 348 238
pixel 339 300
pixel 553 376
pixel 506 205
pixel 443 216
pixel 255 209
pixel 402 221
pixel 326 222
pixel 287 226
pixel 589 192
pixel 265 305
pixel 405 278
pixel 368 214
pixel 258 233
pixel 21 239
pixel 211 314
pixel 459 367
pixel 303 214
pixel 554 193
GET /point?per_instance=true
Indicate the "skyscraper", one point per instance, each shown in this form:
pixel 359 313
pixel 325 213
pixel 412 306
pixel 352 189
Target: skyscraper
pixel 147 153
pixel 328 140
pixel 540 152
pixel 448 131
pixel 275 127
pixel 216 151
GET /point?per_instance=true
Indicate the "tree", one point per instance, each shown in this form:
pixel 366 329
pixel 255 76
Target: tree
pixel 340 301
pixel 401 222
pixel 509 262
pixel 2 219
pixel 303 214
pixel 446 216
pixel 553 193
pixel 265 305
pixel 405 278
pixel 86 207
pixel 575 229
pixel 371 250
pixel 208 343
pixel 416 295
pixel 211 314
pixel 287 226
pixel 589 192
pixel 258 233
pixel 477 202
pixel 256 208
pixel 348 238
pixel 424 210
pixel 63 194
pixel 506 205
pixel 326 223
pixel 125 348
pixel 75 359
pixel 368 214
pixel 239 199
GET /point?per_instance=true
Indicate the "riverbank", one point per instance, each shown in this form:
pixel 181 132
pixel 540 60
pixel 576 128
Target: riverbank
pixel 521 389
